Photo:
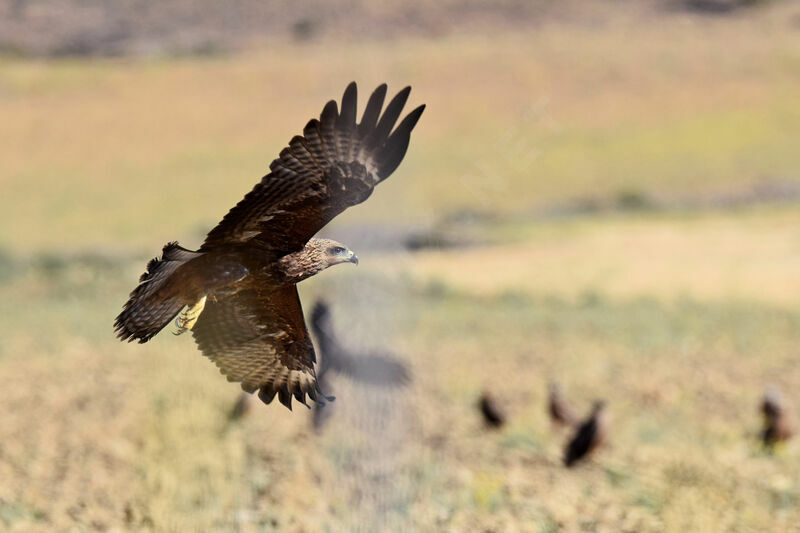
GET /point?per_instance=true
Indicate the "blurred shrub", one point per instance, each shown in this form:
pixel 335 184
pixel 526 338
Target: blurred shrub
pixel 9 266
pixel 633 201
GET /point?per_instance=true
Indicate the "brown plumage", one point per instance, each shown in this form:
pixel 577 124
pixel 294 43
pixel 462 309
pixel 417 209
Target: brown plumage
pixel 560 412
pixel 588 436
pixel 493 415
pixel 377 369
pixel 777 426
pixel 244 310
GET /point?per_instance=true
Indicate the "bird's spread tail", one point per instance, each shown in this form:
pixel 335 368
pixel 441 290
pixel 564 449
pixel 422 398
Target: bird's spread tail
pixel 153 303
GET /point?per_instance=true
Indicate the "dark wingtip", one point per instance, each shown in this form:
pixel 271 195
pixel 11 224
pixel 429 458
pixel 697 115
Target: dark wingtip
pixel 379 94
pixel 266 395
pixel 329 113
pixel 397 145
pixel 404 92
pixel 401 97
pixel 285 397
pixel 372 111
pixel 390 115
pixel 347 117
pixel 411 119
pixel 300 396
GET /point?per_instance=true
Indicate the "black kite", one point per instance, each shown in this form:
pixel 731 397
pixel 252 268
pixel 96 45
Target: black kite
pixel 493 415
pixel 777 426
pixel 243 306
pixel 590 435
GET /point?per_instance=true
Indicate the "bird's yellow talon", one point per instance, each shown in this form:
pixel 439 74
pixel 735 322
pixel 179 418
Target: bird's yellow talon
pixel 186 320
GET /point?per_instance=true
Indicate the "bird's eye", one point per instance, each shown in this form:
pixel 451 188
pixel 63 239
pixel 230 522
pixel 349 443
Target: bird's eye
pixel 336 250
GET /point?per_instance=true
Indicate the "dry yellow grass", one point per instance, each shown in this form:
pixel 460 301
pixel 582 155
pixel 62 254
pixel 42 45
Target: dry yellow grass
pixel 127 437
pixel 752 255
pixel 679 320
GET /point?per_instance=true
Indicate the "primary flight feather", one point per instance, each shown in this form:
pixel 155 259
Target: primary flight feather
pixel 239 288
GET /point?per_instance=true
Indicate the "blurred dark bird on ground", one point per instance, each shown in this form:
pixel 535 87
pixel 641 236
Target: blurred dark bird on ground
pixel 589 435
pixel 777 426
pixel 376 369
pixel 493 415
pixel 561 414
pixel 239 289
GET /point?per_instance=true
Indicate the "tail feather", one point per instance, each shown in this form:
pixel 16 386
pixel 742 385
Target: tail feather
pixel 151 306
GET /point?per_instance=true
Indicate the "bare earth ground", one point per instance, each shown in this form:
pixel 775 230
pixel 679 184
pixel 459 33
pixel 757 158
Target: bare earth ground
pixel 675 307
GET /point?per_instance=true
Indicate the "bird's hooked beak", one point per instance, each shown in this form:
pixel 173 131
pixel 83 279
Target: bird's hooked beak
pixel 352 257
pixel 338 253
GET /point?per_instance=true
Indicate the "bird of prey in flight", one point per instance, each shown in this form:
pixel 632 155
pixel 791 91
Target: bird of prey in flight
pixel 237 293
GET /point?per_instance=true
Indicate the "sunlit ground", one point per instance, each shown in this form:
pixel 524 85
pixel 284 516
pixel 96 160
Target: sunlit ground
pixel 678 314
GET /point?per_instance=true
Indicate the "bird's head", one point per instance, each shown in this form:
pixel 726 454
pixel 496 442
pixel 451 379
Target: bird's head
pixel 334 253
pixel 316 256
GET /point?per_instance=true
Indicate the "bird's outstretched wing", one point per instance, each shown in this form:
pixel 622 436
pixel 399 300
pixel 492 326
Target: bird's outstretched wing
pixel 336 163
pixel 258 337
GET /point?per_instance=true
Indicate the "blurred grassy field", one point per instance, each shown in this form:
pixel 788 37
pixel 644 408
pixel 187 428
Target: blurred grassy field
pixel 678 317
pixel 514 122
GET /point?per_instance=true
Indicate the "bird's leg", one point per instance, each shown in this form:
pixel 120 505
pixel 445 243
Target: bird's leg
pixel 188 317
